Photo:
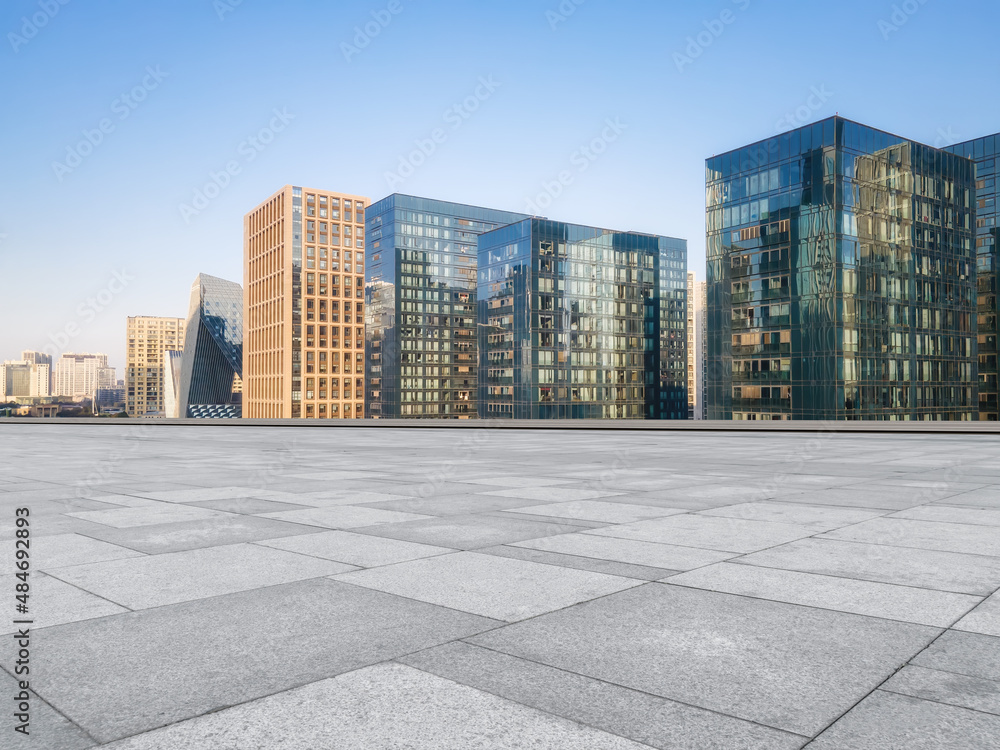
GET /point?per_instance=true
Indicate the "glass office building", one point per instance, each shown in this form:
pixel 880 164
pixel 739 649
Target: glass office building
pixel 984 152
pixel 841 278
pixel 212 361
pixel 577 322
pixel 420 292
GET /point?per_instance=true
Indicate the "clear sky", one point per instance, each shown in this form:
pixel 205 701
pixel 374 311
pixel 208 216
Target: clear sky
pixel 503 96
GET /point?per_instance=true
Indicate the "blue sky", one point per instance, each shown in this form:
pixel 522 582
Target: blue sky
pixel 595 112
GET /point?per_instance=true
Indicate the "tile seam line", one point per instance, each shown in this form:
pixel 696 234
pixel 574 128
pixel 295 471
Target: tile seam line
pixel 940 702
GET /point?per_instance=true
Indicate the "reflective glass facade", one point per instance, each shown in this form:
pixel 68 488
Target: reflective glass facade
pixel 421 355
pixel 581 323
pixel 213 349
pixel 840 278
pixel 984 152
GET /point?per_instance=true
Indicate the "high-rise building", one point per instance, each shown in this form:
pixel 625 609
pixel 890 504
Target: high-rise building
pixel 692 346
pixel 304 318
pixel 841 278
pixel 23 379
pixel 79 375
pixel 149 340
pixel 701 323
pixel 985 152
pixel 421 305
pixel 213 350
pixel 39 358
pixel 581 323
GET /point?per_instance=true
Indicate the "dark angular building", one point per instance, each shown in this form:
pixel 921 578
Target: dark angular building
pixel 211 367
pixel 420 308
pixel 841 278
pixel 577 322
pixel 984 152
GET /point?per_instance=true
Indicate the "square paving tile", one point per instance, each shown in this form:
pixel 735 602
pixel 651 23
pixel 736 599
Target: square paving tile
pixel 945 537
pixel 53 602
pixel 593 564
pixel 147 515
pixel 887 720
pixel 595 510
pixel 951 514
pixel 784 666
pixel 628 551
pixel 905 603
pixel 496 587
pixel 945 571
pixel 450 505
pixel 963 653
pixel 551 494
pixel 362 550
pixel 344 516
pixel 210 654
pixel 178 537
pixel 986 497
pixel 645 718
pixel 820 518
pixel 156 580
pixel 707 532
pixel 946 687
pixel 385 706
pixel 469 531
pixel 59 550
pixel 248 505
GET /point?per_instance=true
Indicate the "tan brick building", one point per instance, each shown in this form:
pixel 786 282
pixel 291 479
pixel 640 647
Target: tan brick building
pixel 303 306
pixel 149 339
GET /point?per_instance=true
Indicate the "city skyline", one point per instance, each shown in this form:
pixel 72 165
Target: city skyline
pixel 469 123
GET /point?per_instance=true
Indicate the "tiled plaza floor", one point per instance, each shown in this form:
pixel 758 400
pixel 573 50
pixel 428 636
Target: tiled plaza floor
pixel 305 588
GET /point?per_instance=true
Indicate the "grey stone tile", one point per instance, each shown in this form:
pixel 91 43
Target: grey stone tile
pixel 178 537
pixel 468 532
pixel 156 580
pixel 983 619
pixel 946 687
pixel 888 720
pixel 59 550
pixel 47 729
pixel 194 494
pixel 904 603
pixel 450 505
pixel 609 567
pixel 596 510
pixel 945 571
pixel 651 554
pixel 645 718
pixel 521 481
pixel 798 668
pixel 362 550
pixel 53 602
pixel 951 514
pixel 945 537
pixel 707 532
pixel 248 505
pixel 496 587
pixel 551 494
pixel 326 499
pixel 820 518
pixel 48 526
pixel 205 655
pixel 866 495
pixel 986 497
pixel 344 517
pixel 148 515
pixel 385 706
pixel 964 653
